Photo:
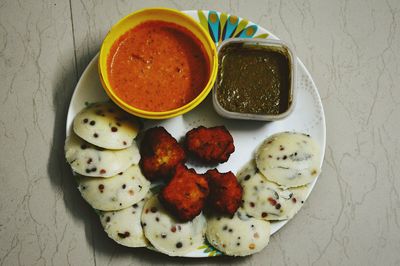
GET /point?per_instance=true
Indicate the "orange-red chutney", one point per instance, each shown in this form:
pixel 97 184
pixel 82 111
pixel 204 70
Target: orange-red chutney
pixel 157 66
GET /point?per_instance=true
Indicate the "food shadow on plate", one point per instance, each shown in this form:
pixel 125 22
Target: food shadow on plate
pixel 62 180
pixel 205 115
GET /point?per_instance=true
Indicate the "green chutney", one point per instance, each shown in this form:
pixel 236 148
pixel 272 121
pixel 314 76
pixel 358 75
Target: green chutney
pixel 254 79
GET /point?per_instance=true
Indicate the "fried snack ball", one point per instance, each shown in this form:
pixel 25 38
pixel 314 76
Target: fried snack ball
pixel 186 193
pixel 225 192
pixel 210 145
pixel 160 154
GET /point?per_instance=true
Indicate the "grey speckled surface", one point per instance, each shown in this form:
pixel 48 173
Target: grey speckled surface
pixel 350 47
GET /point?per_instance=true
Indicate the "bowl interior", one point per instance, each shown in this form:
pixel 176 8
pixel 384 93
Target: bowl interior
pixel 160 14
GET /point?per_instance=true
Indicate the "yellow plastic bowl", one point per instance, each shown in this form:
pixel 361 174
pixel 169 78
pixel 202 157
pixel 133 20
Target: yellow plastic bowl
pixel 160 14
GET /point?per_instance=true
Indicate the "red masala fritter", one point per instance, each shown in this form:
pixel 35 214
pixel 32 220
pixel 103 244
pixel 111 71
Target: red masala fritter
pixel 225 192
pixel 210 145
pixel 186 193
pixel 160 154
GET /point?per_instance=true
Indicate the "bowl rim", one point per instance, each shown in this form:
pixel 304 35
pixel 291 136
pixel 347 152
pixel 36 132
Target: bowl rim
pixel 213 68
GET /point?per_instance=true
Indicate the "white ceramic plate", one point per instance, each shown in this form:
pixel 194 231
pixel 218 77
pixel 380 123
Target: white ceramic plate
pixel 307 116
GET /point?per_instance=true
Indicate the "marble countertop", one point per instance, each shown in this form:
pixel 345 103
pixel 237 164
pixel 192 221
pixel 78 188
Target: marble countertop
pixel 351 48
